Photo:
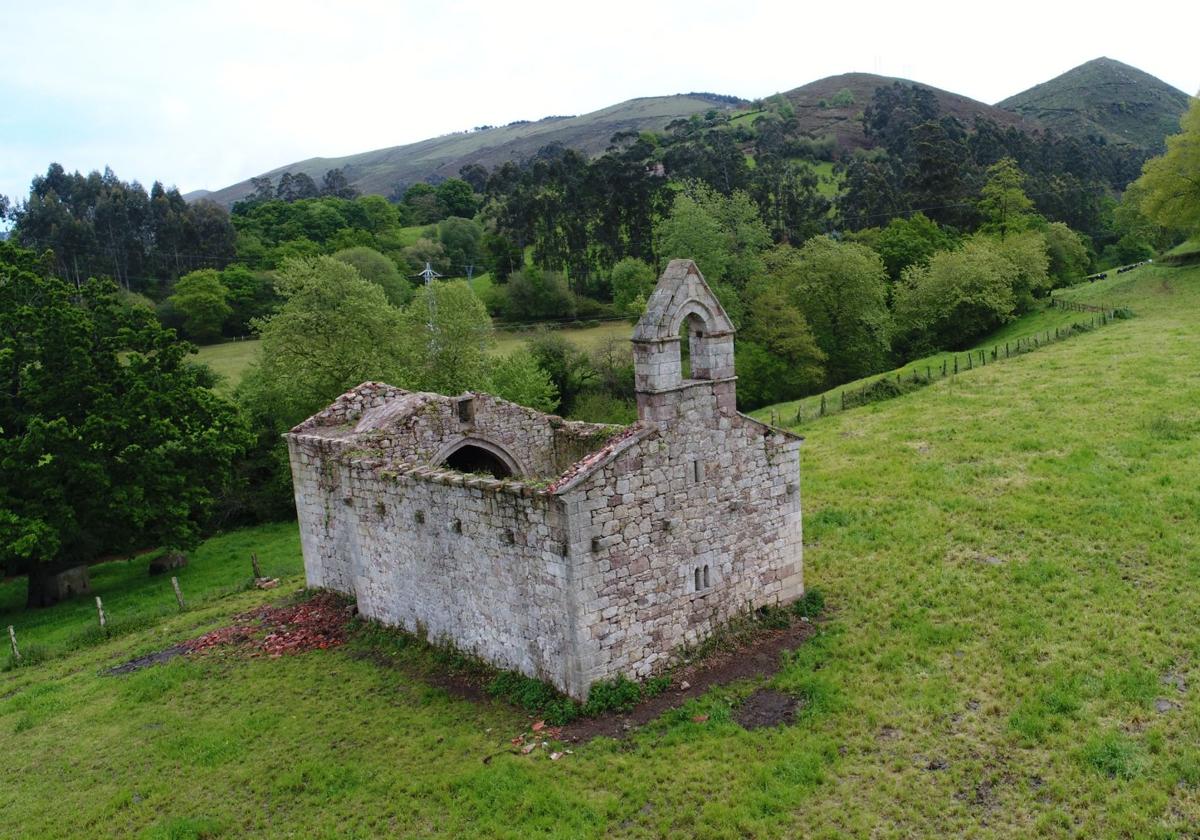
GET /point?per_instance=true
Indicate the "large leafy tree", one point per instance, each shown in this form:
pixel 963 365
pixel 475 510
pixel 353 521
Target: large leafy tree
pixel 959 296
pixel 841 288
pixel 1002 200
pixel 380 270
pixel 517 377
pixel 110 440
pixel 909 240
pixel 446 334
pixel 1169 187
pixel 333 330
pixel 203 301
pixel 777 355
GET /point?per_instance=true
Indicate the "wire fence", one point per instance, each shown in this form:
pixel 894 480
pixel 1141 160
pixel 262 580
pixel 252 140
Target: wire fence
pixel 907 379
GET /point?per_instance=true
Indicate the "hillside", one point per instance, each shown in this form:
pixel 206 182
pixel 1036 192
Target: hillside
pixel 1008 559
pixel 819 115
pixel 381 170
pixel 1106 98
pixel 1102 98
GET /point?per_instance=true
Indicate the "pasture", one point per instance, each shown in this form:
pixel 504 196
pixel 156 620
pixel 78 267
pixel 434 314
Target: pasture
pixel 231 359
pixel 1009 560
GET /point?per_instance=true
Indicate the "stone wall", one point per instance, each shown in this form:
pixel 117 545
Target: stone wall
pixel 423 428
pixel 682 531
pixel 469 560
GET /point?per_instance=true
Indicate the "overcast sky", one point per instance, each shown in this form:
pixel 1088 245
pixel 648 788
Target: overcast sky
pixel 204 94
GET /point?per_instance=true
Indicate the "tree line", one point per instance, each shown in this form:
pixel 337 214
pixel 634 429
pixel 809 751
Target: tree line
pixel 111 439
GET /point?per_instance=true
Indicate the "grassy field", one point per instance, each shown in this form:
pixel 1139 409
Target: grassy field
pixel 1009 558
pixel 1036 324
pixel 133 599
pixel 230 360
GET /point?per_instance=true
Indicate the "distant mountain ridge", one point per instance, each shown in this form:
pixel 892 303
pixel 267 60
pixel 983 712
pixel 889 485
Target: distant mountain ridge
pixel 381 170
pixel 1105 98
pixel 1101 98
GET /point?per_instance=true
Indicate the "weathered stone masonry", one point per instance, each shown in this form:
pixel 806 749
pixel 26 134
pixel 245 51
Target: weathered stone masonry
pixel 568 551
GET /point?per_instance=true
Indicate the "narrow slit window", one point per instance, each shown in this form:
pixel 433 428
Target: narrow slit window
pixel 697 576
pixel 706 584
pixel 466 410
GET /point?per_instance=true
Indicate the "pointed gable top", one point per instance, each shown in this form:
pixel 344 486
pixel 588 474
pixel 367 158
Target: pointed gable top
pixel 681 292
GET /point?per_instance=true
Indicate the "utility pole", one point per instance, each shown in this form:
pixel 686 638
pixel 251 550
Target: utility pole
pixel 429 274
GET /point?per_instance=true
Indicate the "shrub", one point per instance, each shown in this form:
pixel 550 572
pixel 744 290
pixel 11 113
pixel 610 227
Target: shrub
pixel 615 695
pixel 535 295
pixel 810 604
pixel 773 617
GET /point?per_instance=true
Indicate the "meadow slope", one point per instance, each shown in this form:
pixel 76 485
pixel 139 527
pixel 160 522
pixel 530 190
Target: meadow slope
pixel 1009 558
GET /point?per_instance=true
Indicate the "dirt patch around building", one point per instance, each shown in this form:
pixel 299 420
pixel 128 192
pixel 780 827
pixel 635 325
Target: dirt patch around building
pixel 757 658
pixel 766 707
pixel 324 621
pixel 156 658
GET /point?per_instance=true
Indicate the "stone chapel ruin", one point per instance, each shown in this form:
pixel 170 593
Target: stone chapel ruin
pixel 567 551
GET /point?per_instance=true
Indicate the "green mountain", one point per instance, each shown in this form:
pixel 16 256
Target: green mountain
pixel 1107 99
pixel 833 107
pixel 1102 98
pixel 382 170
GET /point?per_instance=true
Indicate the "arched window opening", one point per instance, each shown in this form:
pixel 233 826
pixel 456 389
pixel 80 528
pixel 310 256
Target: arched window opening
pixel 476 459
pixel 691 339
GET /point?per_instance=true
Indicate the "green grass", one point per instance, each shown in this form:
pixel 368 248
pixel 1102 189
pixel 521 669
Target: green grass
pixel 1189 246
pixel 132 598
pixel 829 184
pixel 586 338
pixel 1033 325
pixel 231 360
pixel 1009 560
pixel 409 235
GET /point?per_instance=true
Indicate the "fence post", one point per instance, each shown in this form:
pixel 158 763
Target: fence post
pixel 100 613
pixel 970 361
pixel 944 363
pixel 12 638
pixel 955 364
pixel 822 405
pixel 254 565
pixel 1006 349
pixel 928 373
pixel 843 393
pixel 178 593
pixel 799 413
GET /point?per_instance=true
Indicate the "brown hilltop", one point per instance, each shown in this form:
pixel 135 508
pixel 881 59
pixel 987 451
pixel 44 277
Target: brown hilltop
pixel 844 122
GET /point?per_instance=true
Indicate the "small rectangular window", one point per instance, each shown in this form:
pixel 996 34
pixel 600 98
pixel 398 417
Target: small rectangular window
pixel 697 576
pixel 706 583
pixel 466 410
